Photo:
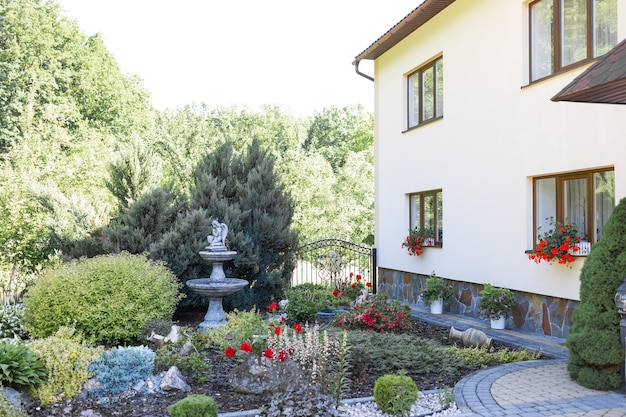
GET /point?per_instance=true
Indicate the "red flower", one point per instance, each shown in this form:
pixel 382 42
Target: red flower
pixel 277 331
pixel 359 277
pixel 297 327
pixel 351 275
pixel 283 319
pixel 369 284
pixel 353 285
pixel 246 347
pixel 273 307
pixel 230 352
pixel 336 292
pixel 282 355
pixel 269 353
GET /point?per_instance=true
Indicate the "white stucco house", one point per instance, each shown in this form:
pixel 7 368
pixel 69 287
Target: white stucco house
pixel 469 143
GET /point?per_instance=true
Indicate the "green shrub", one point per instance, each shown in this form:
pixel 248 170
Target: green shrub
pixel 67 357
pixel 191 363
pixel 395 394
pixel 481 357
pixel 306 300
pixel 11 321
pixel 241 326
pixel 595 352
pixel 195 405
pixel 19 366
pixel 108 299
pixel 120 367
pixel 378 353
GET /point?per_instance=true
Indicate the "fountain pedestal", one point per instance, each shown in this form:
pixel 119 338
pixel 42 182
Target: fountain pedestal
pixel 216 287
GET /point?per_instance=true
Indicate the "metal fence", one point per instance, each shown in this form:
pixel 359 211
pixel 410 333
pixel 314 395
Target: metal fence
pixel 332 261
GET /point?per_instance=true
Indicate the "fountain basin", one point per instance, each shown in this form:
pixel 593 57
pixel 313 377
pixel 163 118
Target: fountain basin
pixel 215 291
pixel 210 288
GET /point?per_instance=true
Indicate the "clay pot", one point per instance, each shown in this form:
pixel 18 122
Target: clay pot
pixel 471 337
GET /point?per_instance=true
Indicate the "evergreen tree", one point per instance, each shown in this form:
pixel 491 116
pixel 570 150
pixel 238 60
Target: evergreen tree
pixel 243 191
pixel 595 352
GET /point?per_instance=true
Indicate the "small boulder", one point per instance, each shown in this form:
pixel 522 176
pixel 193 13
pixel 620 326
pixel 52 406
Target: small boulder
pixel 173 380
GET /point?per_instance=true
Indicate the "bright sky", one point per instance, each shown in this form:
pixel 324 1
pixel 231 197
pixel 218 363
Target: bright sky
pixel 246 52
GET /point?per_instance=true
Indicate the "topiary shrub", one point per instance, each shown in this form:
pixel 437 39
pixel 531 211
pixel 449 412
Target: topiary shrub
pixel 11 321
pixel 120 367
pixel 595 352
pixel 195 405
pixel 67 357
pixel 108 299
pixel 395 394
pixel 19 366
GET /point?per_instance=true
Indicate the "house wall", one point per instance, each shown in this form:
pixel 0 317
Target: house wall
pixel 496 134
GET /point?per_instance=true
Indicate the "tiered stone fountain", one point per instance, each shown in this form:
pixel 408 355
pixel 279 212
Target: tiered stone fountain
pixel 217 286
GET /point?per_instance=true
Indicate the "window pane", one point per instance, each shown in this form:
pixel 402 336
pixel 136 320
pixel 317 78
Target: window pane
pixel 573 31
pixel 605 26
pixel 604 199
pixel 439 235
pixel 414 94
pixel 428 93
pixel 439 99
pixel 545 200
pixel 541 39
pixel 415 211
pixel 575 205
pixel 429 211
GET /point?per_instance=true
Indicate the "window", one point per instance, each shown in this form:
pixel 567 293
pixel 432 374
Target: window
pixel 427 212
pixel 585 199
pixel 425 93
pixel 567 32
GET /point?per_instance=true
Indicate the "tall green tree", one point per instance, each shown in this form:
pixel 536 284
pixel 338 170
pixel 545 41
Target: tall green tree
pixel 595 353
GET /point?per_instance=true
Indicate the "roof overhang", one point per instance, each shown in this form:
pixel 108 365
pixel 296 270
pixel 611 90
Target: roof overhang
pixel 603 82
pixel 419 16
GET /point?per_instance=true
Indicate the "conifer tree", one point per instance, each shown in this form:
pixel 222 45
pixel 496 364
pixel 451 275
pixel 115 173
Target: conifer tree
pixel 244 192
pixel 595 352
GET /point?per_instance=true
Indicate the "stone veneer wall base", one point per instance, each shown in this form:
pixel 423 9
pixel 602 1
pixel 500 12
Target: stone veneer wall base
pixel 551 316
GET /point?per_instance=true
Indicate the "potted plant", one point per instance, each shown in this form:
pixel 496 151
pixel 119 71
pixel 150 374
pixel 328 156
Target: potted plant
pixel 434 292
pixel 417 239
pixel 496 303
pixel 559 244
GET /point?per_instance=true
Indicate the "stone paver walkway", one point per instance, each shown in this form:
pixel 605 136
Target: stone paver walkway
pixel 530 389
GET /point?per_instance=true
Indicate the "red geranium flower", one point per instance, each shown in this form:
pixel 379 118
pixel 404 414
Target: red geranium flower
pixel 269 353
pixel 369 284
pixel 359 277
pixel 277 331
pixel 297 327
pixel 246 347
pixel 273 307
pixel 282 355
pixel 230 352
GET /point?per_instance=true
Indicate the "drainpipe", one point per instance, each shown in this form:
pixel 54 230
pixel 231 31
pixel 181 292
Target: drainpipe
pixel 356 68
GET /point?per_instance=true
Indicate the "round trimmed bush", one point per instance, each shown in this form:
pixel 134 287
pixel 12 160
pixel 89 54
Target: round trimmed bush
pixel 395 394
pixel 194 405
pixel 109 299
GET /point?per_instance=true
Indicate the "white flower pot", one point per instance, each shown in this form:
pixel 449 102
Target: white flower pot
pixel 436 306
pixel 498 323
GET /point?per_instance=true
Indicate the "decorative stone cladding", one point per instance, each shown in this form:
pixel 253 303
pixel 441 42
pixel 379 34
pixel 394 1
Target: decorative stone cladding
pixel 551 316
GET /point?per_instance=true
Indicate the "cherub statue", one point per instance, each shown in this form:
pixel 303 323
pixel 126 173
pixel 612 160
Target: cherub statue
pixel 217 238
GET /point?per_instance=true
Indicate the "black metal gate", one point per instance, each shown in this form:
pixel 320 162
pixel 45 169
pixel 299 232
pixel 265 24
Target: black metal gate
pixel 332 261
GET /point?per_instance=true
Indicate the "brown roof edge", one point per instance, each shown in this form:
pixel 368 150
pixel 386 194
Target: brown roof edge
pixel 419 16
